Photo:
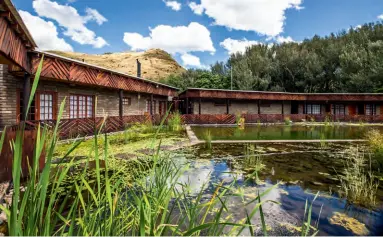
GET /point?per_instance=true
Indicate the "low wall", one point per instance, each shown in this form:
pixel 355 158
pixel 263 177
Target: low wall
pixel 71 128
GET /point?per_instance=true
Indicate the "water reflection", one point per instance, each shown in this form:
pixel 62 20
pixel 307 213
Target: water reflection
pixel 301 176
pixel 284 132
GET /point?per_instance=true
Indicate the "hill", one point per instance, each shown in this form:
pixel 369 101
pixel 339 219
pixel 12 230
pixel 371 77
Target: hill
pixel 155 63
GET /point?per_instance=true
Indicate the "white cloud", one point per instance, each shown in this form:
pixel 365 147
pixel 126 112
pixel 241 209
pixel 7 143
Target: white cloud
pixel 44 33
pixel 93 14
pixel 267 17
pixel 197 9
pixel 380 17
pixel 190 60
pixel 178 39
pixel 176 6
pixel 237 46
pixel 281 39
pixel 74 24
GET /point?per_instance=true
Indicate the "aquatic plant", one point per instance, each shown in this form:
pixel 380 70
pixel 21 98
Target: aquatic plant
pixel 288 121
pixel 375 142
pixel 175 122
pixel 323 142
pixel 358 184
pixel 327 121
pixel 208 138
pixel 253 161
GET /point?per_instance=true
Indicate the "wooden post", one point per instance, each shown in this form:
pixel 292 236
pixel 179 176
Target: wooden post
pixel 283 107
pixel 199 106
pixel 151 104
pixel 259 106
pixel 227 106
pixel 26 95
pixel 121 106
pixel 187 105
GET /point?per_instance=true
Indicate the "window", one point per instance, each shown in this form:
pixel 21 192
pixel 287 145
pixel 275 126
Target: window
pixel 338 109
pixel 81 106
pixel 370 109
pixel 126 101
pixel 313 109
pixel 148 105
pixel 46 106
pixel 32 110
pixel 162 107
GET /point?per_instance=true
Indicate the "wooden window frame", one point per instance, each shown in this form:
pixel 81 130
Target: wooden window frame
pixel 38 106
pixel 310 109
pixel 77 100
pixel 36 111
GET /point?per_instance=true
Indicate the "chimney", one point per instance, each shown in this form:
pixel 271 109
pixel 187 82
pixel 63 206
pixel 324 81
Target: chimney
pixel 138 68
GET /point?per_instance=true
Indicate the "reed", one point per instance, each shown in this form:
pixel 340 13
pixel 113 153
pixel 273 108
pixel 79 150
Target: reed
pixel 253 161
pixel 175 122
pixel 358 183
pixel 208 138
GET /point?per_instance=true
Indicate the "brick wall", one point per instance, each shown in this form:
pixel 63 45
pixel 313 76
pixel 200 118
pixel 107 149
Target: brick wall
pixel 8 87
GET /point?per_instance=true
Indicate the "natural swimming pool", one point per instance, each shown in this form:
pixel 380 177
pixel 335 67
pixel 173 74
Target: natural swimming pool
pixel 285 132
pixel 301 170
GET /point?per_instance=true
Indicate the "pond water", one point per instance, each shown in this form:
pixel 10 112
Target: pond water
pixel 284 132
pixel 301 170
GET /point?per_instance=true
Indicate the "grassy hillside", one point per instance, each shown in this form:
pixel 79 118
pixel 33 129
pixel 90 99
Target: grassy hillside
pixel 156 63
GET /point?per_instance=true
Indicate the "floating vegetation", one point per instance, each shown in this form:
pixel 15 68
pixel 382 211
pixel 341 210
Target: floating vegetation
pixel 349 223
pixel 358 184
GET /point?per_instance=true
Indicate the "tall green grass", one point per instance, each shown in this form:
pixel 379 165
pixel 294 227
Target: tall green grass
pixel 358 183
pixel 155 204
pixel 175 122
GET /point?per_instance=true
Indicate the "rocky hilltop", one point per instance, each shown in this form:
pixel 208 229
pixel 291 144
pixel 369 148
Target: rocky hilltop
pixel 155 63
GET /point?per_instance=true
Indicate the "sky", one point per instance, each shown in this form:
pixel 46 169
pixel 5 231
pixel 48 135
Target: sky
pixel 197 33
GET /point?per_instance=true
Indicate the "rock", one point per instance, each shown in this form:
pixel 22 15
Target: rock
pixel 293 182
pixel 282 191
pixel 272 149
pixel 349 223
pixel 316 183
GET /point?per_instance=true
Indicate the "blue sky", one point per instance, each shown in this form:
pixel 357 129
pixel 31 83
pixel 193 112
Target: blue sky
pixel 194 38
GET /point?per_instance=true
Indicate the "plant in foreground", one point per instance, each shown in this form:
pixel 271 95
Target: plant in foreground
pixel 358 183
